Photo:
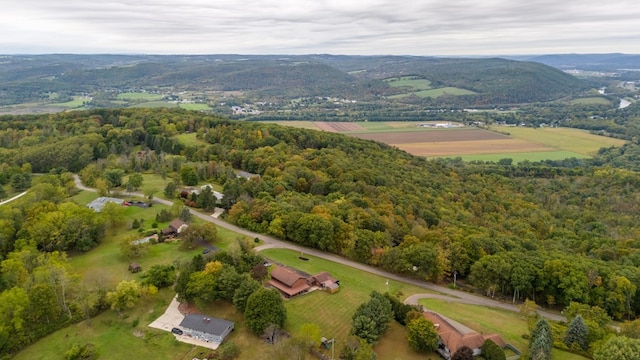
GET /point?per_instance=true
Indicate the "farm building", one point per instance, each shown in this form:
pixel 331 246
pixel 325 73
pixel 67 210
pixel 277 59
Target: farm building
pixel 206 328
pixel 453 337
pixel 289 282
pixel 175 227
pixel 100 202
pixel 325 281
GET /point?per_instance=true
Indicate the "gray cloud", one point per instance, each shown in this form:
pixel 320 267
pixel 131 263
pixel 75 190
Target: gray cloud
pixel 419 27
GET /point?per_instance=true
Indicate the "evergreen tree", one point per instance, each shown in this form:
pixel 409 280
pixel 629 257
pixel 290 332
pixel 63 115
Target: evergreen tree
pixel 577 333
pixel 541 341
pixel 491 351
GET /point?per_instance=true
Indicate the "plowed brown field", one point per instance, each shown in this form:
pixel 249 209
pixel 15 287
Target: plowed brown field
pixel 338 126
pixel 430 136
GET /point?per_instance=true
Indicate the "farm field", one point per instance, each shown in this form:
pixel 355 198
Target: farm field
pixel 139 96
pixel 409 81
pixel 470 143
pixel 197 107
pixel 154 104
pixel 511 326
pixel 596 100
pixel 78 101
pixel 332 313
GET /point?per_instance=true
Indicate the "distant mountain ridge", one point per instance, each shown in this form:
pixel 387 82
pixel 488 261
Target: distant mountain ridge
pixel 494 80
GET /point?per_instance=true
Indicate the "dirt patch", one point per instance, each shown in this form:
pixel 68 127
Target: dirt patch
pixel 338 126
pixel 186 309
pixel 138 333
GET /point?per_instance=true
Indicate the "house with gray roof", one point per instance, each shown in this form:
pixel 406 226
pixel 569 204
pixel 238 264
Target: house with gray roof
pixel 100 202
pixel 203 327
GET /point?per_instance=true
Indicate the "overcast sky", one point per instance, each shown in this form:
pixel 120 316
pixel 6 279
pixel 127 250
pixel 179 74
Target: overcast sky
pixel 402 27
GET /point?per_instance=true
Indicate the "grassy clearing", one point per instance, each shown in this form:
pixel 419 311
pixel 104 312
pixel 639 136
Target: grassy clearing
pixel 189 139
pixel 155 104
pixel 196 107
pixel 565 139
pixel 332 313
pixel 139 96
pixel 511 326
pixel 409 81
pixel 434 93
pixel 520 157
pixel 78 101
pixel 300 124
pixel 596 100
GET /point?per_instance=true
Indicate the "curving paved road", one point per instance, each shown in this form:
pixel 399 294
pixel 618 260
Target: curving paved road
pixel 271 242
pixel 13 198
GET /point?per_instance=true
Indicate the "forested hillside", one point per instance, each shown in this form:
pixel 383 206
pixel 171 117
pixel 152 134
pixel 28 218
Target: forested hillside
pixel 574 230
pixel 47 78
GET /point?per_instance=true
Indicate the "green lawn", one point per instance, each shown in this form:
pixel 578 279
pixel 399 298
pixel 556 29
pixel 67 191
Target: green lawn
pixel 332 312
pixel 116 338
pixel 198 107
pixel 511 326
pixel 139 96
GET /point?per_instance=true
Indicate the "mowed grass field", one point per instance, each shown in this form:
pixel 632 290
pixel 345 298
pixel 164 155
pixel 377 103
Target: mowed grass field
pixel 511 326
pixel 333 312
pixel 197 107
pixel 139 96
pixel 470 143
pixel 595 100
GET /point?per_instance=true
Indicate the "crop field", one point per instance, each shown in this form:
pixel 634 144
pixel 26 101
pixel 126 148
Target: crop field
pixel 596 100
pixel 139 96
pixel 78 101
pixel 338 126
pixel 196 107
pixel 409 81
pixel 499 142
pixel 155 104
pixel 575 140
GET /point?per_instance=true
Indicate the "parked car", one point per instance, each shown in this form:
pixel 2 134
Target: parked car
pixel 177 331
pixel 206 251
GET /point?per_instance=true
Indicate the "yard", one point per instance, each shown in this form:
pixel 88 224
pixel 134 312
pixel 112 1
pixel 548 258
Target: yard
pixel 115 338
pixel 332 313
pixel 511 326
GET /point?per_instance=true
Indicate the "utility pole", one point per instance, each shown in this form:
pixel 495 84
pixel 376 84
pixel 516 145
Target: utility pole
pixel 333 346
pixel 455 275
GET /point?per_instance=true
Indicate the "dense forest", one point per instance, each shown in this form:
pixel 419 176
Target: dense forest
pixel 552 232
